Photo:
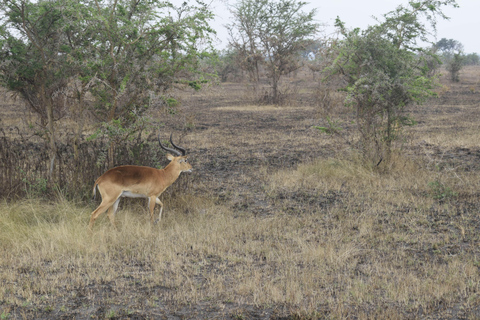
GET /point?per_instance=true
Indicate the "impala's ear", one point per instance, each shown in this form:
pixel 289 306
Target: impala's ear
pixel 170 157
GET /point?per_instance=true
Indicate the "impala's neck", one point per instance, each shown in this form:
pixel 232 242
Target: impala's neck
pixel 170 173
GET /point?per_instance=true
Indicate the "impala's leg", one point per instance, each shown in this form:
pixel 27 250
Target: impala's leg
pixel 161 209
pixel 101 209
pixel 108 200
pixel 151 205
pixel 112 210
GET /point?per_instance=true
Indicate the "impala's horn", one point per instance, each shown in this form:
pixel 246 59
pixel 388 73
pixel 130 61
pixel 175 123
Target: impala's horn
pixel 183 151
pixel 173 151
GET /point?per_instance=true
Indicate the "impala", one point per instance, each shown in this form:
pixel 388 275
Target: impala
pixel 139 182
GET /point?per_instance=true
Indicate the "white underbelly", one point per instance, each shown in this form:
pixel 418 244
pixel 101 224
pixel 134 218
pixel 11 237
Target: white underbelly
pixel 128 194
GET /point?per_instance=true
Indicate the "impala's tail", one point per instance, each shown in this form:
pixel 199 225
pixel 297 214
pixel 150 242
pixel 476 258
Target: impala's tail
pixel 95 186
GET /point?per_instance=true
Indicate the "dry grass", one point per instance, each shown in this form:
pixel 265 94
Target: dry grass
pixel 363 240
pixel 250 108
pixel 276 221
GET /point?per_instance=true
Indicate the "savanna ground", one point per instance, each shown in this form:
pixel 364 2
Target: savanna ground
pixel 278 221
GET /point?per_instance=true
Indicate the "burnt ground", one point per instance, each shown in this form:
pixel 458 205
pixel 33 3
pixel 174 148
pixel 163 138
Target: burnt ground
pixel 242 139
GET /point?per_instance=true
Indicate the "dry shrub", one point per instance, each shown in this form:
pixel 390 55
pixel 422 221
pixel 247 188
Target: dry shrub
pixel 261 93
pixel 328 101
pixel 25 163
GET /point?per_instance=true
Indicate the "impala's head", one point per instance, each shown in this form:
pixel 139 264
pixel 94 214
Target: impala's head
pixel 177 157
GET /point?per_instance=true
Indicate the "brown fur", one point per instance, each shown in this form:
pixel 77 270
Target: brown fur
pixel 143 181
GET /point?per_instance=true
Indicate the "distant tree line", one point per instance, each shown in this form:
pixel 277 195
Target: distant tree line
pixel 448 47
pixel 453 57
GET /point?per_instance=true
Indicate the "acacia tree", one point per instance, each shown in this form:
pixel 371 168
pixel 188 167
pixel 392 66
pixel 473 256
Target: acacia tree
pixel 273 33
pixel 243 35
pixel 285 31
pixel 384 72
pixel 33 61
pixel 140 49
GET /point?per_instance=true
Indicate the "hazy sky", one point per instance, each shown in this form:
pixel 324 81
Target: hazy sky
pixel 463 26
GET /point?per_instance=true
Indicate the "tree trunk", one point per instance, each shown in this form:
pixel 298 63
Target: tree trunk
pixel 111 147
pixel 77 134
pixel 275 85
pixel 390 136
pixel 52 152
